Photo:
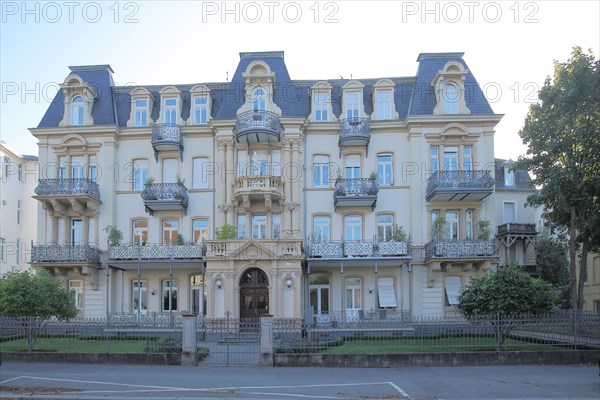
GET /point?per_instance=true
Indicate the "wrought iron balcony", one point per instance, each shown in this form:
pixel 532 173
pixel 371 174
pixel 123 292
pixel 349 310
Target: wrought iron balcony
pixel 133 251
pixel 514 228
pixel 355 132
pixel 460 249
pixel 459 185
pixel 354 249
pixel 355 192
pixel 263 187
pixel 65 197
pixel 86 254
pixel 165 197
pixel 257 127
pixel 167 137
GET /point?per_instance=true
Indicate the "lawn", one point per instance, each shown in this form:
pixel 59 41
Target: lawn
pixel 74 345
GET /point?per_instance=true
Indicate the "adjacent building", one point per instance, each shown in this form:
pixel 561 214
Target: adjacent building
pixel 306 199
pixel 18 218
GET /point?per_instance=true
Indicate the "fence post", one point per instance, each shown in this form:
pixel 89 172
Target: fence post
pixel 266 341
pixel 498 333
pixel 188 343
pixel 30 334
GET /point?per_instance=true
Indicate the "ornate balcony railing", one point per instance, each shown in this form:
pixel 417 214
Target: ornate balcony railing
pixel 166 191
pixel 68 187
pixel 65 254
pixel 360 248
pixel 156 252
pixel 460 249
pixel 355 127
pixel 258 126
pixel 166 133
pixel 516 229
pixel 476 184
pixel 356 187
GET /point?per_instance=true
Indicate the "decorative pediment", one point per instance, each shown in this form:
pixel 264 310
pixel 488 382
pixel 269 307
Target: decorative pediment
pixel 454 130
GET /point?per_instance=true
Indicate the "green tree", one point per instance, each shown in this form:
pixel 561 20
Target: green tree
pixel 226 232
pixel 509 291
pixel 552 259
pixel 562 133
pixel 26 294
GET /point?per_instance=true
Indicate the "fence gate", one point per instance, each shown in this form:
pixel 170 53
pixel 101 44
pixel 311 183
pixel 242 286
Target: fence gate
pixel 229 342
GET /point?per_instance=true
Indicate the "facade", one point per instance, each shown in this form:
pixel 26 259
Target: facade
pixel 517 224
pixel 18 177
pixel 303 199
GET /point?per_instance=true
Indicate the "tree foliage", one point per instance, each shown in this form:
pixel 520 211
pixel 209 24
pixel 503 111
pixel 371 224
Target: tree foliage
pixel 562 133
pixel 552 258
pixel 25 294
pixel 509 291
pixel 226 232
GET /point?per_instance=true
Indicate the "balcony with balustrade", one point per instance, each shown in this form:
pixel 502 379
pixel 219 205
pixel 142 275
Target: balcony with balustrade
pixel 254 249
pixel 459 186
pixel 67 197
pixel 167 137
pixel 465 250
pixel 257 126
pixel 355 132
pixel 517 245
pixel 265 188
pixel 65 260
pixel 355 192
pixel 153 256
pixel 332 252
pixel 165 197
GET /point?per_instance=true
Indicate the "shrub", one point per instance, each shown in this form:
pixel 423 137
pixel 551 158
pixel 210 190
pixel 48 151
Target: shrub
pixel 163 345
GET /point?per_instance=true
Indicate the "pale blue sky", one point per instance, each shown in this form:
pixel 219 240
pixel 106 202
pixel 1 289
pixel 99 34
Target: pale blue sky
pixel 510 46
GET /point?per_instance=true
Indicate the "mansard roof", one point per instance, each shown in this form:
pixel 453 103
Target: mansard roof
pixel 413 95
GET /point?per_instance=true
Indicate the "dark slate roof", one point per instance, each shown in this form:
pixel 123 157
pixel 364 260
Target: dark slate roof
pixel 412 95
pixel 522 178
pixel 27 157
pixel 424 96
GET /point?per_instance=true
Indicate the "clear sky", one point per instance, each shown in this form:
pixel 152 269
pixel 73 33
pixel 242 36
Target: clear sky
pixel 509 45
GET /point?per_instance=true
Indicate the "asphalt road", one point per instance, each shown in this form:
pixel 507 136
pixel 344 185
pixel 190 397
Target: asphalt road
pixel 131 382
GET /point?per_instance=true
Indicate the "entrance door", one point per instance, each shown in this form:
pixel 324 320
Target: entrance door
pixel 254 294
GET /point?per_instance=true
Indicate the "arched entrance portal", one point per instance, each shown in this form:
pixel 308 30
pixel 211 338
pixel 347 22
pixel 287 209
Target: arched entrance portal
pixel 254 294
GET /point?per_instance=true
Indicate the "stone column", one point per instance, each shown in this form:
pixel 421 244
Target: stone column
pixel 188 343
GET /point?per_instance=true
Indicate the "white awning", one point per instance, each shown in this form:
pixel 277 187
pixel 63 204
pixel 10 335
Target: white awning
pixel 453 288
pixel 386 292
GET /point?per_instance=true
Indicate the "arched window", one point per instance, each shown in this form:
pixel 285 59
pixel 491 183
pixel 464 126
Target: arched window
pixel 450 95
pixel 77 108
pixel 258 99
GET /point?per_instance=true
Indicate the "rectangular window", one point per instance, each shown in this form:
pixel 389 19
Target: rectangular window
pixel 469 224
pixel 451 158
pixel 75 287
pixel 259 162
pixel 510 212
pixel 140 174
pixel 141 113
pixel 77 109
pixel 242 163
pixel 140 232
pixel 170 111
pixel 276 162
pixel 170 231
pixel 169 295
pixel 385 226
pixel 352 105
pixel 383 101
pixel 384 170
pixel 321 101
pixel 92 169
pixel 453 286
pixel 200 227
pixel 18 211
pixel 259 226
pixel 353 295
pixel 276 226
pixel 200 173
pixel 139 298
pixel 352 227
pixel 321 229
pixel 200 110
pixel 468 158
pixel 509 177
pixel 452 232
pixel 77 167
pixel 321 171
pixel 62 167
pixel 241 226
pixel 386 293
pixel 76 231
pixel 434 158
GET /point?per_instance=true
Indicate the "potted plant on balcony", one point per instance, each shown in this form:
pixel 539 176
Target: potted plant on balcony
pixel 394 243
pixel 484 232
pixel 339 186
pixel 114 236
pixel 149 192
pixel 438 228
pixel 372 185
pixel 179 240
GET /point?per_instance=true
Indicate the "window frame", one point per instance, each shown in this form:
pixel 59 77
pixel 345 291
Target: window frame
pixel 142 295
pixel 318 228
pixel 383 106
pixel 321 170
pixel 260 227
pixel 242 226
pixel 76 292
pixel 353 227
pixel 321 102
pixel 170 112
pixel 139 176
pixel 203 231
pixel 77 110
pixel 173 238
pixel 140 113
pixel 172 291
pixel 381 177
pixel 200 110
pixel 387 228
pixel 276 226
pixel 450 106
pixel 139 233
pixel 509 177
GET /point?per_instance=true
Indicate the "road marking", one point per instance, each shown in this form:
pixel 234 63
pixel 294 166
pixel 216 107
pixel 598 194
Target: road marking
pixel 10 380
pixel 402 392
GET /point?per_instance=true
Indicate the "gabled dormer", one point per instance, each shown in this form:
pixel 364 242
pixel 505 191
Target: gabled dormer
pixel 259 86
pixel 200 105
pixel 171 103
pixel 449 86
pixel 141 107
pixel 355 127
pixel 352 101
pixel 321 110
pixel 79 101
pixel 384 107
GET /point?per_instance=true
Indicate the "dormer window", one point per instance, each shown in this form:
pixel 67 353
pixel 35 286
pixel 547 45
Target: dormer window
pixel 321 102
pixel 171 101
pixel 141 113
pixel 141 107
pixel 509 177
pixel 383 100
pixel 352 105
pixel 449 85
pixel 352 96
pixel 170 111
pixel 201 103
pixel 77 110
pixel 258 99
pixel 200 110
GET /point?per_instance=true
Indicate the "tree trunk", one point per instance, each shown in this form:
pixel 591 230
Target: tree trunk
pixel 572 258
pixel 582 271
